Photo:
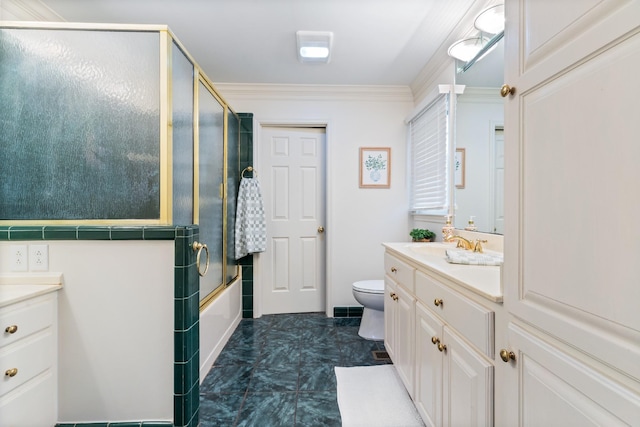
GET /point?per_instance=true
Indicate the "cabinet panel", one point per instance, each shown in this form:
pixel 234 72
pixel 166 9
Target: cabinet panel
pixel 557 389
pixel 467 384
pixel 32 405
pixel 390 293
pixel 30 356
pixel 428 384
pixel 400 271
pixel 475 322
pixel 404 331
pixel 29 317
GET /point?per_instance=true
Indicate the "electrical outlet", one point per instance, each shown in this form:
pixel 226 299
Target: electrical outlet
pixel 19 258
pixel 38 257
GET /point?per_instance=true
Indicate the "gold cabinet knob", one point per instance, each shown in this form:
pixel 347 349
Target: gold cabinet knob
pixel 506 90
pixel 442 347
pixel 506 356
pixel 11 329
pixel 321 229
pixel 393 296
pixel 394 270
pixel 11 372
pixel 438 302
pixel 435 340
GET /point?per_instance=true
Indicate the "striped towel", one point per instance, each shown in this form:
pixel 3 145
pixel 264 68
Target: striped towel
pixel 473 258
pixel 251 229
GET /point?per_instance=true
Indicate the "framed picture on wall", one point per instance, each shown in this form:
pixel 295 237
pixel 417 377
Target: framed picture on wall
pixel 375 167
pixel 459 168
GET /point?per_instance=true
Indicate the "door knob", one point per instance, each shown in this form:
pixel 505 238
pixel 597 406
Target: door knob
pixel 506 356
pixel 321 229
pixel 507 90
pixel 438 302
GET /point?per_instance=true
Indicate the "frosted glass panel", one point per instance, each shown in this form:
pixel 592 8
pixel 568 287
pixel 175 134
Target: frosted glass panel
pixel 79 124
pixel 233 178
pixel 182 98
pixel 211 141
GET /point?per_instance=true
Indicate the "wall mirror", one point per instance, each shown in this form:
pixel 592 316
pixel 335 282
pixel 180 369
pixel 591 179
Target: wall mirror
pixel 479 141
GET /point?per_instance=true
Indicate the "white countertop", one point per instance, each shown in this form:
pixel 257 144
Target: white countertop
pixel 18 287
pixel 484 280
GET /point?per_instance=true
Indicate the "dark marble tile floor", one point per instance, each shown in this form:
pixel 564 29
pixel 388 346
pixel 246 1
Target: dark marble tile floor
pixel 279 371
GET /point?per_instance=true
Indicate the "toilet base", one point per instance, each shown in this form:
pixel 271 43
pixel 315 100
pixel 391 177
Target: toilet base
pixel 372 325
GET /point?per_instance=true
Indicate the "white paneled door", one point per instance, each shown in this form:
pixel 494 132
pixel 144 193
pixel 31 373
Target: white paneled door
pixel 292 273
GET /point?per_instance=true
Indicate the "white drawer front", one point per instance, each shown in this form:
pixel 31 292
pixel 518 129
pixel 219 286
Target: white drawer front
pixel 399 271
pixel 473 321
pixel 26 318
pixel 33 405
pixel 30 356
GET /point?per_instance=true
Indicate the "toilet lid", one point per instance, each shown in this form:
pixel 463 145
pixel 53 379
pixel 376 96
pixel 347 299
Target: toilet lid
pixel 369 286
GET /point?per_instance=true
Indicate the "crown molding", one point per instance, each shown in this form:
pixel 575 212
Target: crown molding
pixel 265 91
pixel 25 10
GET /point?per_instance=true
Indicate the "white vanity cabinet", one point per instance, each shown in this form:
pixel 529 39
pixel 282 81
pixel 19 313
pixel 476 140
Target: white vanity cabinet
pixel 28 357
pixel 454 377
pixel 400 317
pixel 441 340
pixel 573 324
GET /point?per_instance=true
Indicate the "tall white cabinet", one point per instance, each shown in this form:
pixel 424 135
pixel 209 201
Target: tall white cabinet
pixel 572 146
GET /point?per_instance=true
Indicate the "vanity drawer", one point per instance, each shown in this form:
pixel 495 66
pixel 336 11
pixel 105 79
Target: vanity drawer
pixel 470 319
pixel 26 318
pixel 399 271
pixel 30 357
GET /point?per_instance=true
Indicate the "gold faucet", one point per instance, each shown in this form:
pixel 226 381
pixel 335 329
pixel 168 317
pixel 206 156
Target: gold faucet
pixel 466 244
pixel 462 242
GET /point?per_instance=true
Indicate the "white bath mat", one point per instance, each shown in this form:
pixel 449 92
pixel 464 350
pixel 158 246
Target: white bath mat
pixel 374 396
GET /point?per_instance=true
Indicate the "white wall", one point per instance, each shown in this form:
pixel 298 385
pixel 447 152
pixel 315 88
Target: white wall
pixel 358 220
pixel 116 328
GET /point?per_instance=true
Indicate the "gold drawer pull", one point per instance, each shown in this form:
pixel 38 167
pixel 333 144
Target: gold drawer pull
pixel 11 372
pixel 442 347
pixel 393 269
pixel 507 90
pixel 506 355
pixel 11 329
pixel 435 340
pixel 393 296
pixel 438 302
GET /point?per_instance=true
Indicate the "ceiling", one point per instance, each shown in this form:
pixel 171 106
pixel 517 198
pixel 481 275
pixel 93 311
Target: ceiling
pixel 376 42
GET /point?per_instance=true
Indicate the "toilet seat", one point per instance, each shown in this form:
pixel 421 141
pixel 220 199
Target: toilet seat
pixel 369 286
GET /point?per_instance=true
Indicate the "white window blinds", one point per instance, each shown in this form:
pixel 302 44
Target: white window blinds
pixel 429 160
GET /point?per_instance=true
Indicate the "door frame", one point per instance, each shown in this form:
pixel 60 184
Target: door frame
pixel 259 124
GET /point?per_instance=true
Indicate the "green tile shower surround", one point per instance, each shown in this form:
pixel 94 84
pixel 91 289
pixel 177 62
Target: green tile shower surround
pixel 186 298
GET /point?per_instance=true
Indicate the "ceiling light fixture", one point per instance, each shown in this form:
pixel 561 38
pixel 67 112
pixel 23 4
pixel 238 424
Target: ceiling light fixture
pixel 314 46
pixel 466 49
pixel 491 20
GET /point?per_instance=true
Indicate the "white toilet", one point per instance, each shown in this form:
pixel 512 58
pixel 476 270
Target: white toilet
pixel 370 293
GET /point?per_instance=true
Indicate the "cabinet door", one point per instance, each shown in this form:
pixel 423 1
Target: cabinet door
pixel 404 331
pixel 428 384
pixel 571 146
pixel 390 295
pixel 467 384
pixel 557 389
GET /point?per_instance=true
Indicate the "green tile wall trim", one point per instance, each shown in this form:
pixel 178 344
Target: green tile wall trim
pixel 350 311
pixel 246 263
pixel 186 367
pixel 119 424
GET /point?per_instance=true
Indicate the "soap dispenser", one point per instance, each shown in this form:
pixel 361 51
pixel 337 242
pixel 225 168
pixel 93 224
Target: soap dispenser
pixel 448 229
pixel 471 226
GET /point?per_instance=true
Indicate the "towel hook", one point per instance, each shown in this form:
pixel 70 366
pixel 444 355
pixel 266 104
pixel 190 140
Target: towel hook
pixel 249 169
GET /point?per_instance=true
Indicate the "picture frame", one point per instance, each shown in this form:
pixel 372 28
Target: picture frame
pixel 375 167
pixel 459 165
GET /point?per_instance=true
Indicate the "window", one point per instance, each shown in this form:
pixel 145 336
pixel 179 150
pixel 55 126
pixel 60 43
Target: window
pixel 429 162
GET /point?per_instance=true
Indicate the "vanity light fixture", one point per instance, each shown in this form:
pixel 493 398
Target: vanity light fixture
pixel 314 46
pixel 491 20
pixel 466 49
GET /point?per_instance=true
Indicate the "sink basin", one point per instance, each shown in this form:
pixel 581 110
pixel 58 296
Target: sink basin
pixel 433 248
